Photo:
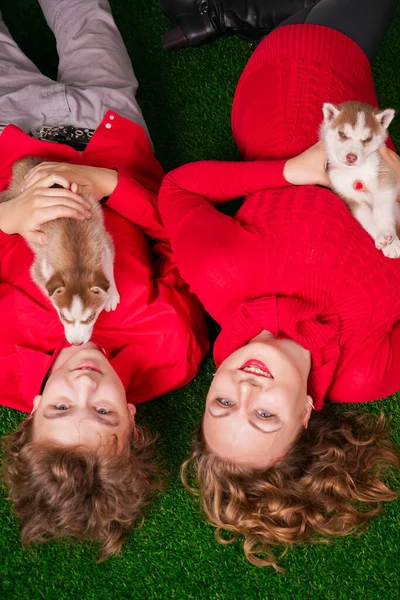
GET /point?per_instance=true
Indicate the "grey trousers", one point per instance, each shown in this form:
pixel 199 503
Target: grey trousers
pixel 94 74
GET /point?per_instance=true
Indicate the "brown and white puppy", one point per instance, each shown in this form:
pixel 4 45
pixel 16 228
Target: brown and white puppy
pixel 352 133
pixel 75 269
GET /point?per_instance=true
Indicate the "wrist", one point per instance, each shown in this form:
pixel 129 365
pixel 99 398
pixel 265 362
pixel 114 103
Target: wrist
pixel 3 224
pixel 109 180
pixel 288 171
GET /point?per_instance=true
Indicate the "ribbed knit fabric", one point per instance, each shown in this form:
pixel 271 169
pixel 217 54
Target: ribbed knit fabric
pixel 277 107
pixel 293 260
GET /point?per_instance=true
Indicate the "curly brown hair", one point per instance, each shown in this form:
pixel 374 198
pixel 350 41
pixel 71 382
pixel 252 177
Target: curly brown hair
pixel 79 493
pixel 328 484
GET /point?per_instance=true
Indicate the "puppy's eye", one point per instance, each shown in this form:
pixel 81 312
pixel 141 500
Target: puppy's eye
pixel 343 135
pixel 89 319
pixel 367 140
pixel 61 406
pixel 63 318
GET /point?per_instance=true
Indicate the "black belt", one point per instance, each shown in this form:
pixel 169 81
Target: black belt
pixel 76 137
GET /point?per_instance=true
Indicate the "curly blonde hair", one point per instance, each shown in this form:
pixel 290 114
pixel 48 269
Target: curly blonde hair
pixel 79 493
pixel 328 484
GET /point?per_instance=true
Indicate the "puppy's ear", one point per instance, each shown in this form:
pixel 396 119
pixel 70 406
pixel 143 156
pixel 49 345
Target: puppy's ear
pixel 330 111
pixel 385 117
pixel 55 285
pixel 100 284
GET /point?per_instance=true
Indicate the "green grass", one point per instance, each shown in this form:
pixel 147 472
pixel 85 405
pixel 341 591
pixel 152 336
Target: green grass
pixel 186 98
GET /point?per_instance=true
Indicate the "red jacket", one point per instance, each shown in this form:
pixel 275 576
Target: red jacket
pixel 293 260
pixel 157 336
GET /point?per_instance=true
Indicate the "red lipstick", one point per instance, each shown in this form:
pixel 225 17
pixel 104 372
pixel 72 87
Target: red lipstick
pixel 259 365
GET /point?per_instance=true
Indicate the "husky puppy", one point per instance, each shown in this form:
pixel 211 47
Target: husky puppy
pixel 352 133
pixel 75 269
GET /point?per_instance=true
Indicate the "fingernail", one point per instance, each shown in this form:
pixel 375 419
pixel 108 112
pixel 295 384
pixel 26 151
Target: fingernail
pixel 88 205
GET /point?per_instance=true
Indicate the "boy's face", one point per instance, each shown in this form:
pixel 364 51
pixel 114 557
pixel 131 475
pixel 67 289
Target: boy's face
pixel 83 402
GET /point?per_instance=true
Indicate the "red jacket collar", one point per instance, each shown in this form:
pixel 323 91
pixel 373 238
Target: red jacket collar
pixel 291 318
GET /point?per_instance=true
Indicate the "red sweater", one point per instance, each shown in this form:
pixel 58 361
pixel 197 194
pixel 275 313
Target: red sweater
pixel 293 260
pixel 157 337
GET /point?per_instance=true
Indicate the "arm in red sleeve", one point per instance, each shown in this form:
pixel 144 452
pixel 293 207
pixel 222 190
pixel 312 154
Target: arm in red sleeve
pixel 204 240
pixel 137 204
pixel 220 181
pixel 374 373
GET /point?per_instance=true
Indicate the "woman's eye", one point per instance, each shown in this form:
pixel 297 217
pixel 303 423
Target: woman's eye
pixel 61 406
pixel 103 411
pixel 224 402
pixel 342 135
pixel 264 414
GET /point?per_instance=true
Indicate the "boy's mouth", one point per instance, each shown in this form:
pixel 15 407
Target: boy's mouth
pixel 88 365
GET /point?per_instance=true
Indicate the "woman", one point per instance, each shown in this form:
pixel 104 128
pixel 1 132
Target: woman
pixel 309 309
pixel 80 465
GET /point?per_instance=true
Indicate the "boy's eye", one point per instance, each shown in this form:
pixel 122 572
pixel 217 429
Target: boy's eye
pixel 343 135
pixel 224 402
pixel 103 411
pixel 61 406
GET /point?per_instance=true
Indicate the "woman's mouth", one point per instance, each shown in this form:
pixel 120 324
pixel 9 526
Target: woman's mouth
pixel 88 365
pixel 256 367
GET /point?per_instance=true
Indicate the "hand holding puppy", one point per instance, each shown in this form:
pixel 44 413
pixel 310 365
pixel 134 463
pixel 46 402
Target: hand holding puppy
pixel 40 203
pixel 96 182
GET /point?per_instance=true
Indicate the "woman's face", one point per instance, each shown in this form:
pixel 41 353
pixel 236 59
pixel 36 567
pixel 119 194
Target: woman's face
pixel 83 402
pixel 258 402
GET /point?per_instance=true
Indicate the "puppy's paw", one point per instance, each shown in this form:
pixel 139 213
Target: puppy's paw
pixel 384 239
pixel 393 250
pixel 112 300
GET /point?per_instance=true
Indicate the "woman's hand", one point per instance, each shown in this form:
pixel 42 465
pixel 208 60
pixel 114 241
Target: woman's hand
pixel 308 168
pixel 392 159
pixel 39 204
pixel 93 181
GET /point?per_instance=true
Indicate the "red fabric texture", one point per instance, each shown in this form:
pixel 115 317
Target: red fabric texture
pixel 293 260
pixel 157 337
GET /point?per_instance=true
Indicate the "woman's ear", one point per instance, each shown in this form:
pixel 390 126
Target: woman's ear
pixel 307 411
pixel 132 411
pixel 36 402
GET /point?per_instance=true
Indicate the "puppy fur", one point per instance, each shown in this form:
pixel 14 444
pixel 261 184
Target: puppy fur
pixel 75 269
pixel 352 133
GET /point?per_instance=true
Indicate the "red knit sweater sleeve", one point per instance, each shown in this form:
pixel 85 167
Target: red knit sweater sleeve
pixel 220 181
pixel 374 372
pixel 200 235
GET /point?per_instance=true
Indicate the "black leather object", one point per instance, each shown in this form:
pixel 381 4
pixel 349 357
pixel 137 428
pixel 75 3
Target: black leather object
pixel 201 21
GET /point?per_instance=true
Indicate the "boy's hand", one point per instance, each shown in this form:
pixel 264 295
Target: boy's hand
pixel 308 168
pixel 39 204
pixel 92 181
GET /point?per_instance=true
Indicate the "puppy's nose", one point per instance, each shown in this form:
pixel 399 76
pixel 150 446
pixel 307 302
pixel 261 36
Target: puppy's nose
pixel 351 158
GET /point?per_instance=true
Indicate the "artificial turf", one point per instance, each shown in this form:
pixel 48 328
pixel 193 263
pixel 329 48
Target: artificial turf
pixel 186 98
